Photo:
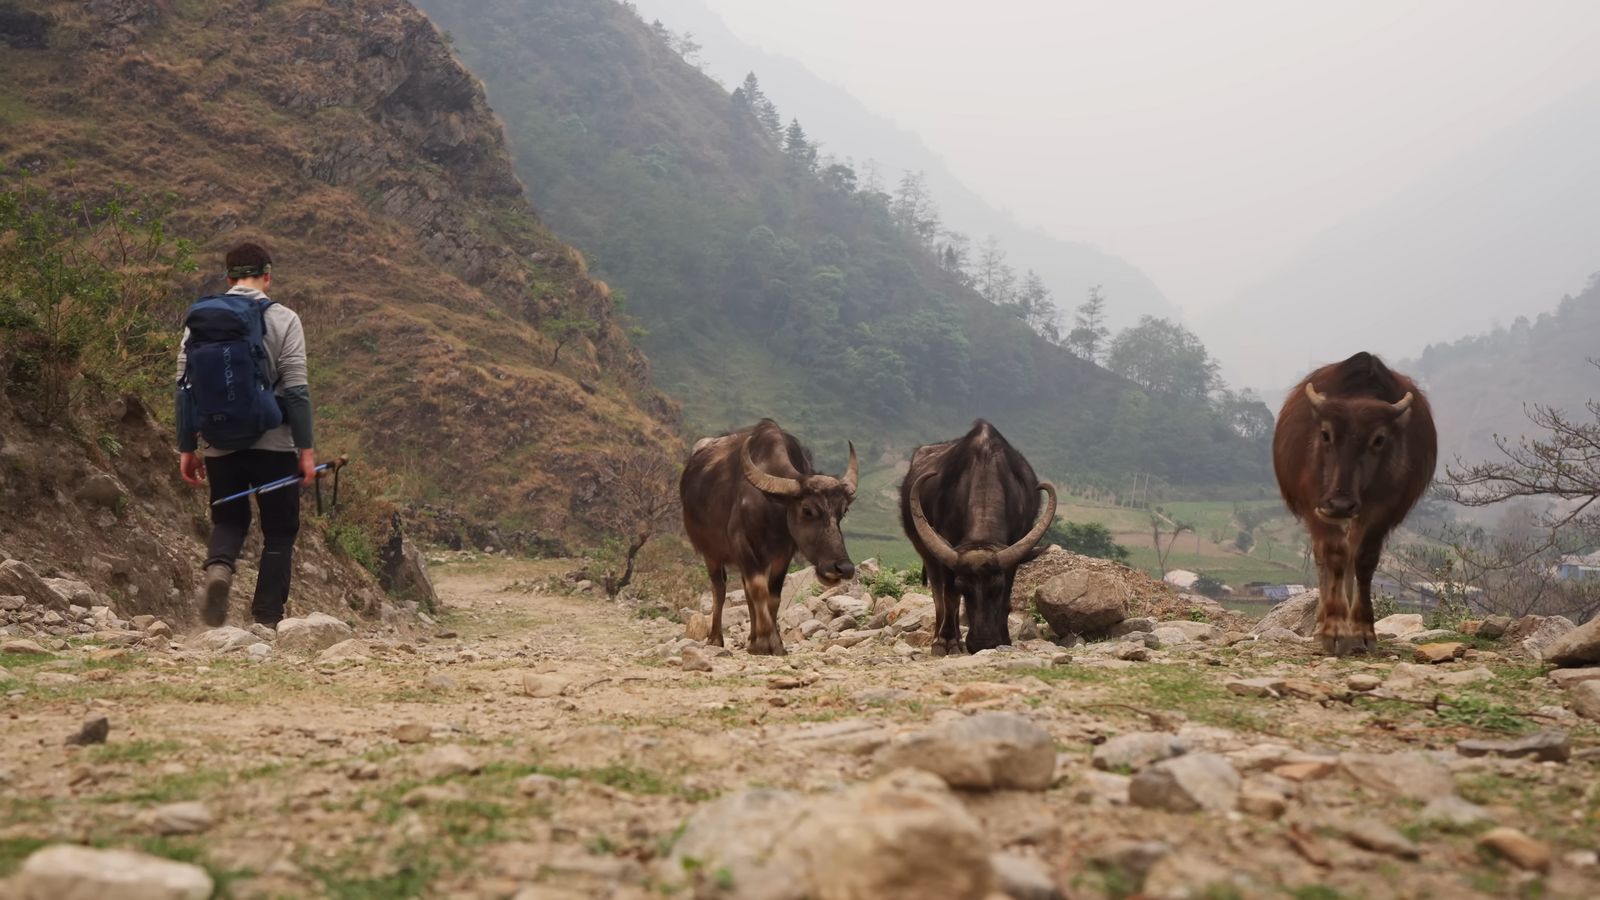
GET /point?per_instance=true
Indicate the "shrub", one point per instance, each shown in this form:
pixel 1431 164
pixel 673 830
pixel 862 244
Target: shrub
pixel 1086 538
pixel 1209 586
pixel 86 296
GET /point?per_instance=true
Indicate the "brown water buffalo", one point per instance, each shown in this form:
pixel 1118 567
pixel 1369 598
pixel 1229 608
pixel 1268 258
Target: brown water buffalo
pixel 751 498
pixel 971 508
pixel 1354 449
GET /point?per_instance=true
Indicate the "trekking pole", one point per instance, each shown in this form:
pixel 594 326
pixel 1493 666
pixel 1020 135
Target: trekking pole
pixel 284 482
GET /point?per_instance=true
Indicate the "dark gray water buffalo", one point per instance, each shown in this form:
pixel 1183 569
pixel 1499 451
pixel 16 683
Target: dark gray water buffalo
pixel 971 508
pixel 751 498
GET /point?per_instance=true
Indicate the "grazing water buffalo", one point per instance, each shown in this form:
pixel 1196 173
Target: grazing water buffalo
pixel 1354 449
pixel 750 499
pixel 971 508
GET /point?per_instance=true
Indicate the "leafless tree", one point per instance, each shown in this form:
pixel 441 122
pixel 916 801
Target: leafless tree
pixel 1159 522
pixel 1560 469
pixel 641 491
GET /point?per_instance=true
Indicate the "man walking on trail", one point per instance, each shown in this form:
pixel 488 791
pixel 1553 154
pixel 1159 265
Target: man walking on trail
pixel 244 337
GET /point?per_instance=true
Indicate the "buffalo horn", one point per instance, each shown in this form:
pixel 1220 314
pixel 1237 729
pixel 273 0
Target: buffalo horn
pixel 1012 555
pixel 941 550
pixel 1316 398
pixel 852 473
pixel 768 484
pixel 1404 404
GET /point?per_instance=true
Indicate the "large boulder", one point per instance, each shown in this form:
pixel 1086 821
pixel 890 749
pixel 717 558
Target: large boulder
pixel 312 634
pixel 1534 634
pixel 1578 647
pixel 984 752
pixel 1297 614
pixel 1189 783
pixel 1083 602
pixel 69 872
pixel 18 578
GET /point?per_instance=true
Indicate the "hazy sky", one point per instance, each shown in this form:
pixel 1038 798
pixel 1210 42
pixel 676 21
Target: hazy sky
pixel 1205 142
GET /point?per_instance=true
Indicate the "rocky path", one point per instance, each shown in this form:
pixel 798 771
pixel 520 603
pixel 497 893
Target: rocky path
pixel 544 745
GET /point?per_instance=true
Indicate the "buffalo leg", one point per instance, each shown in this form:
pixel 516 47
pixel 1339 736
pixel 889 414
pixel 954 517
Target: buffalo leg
pixel 775 579
pixel 764 637
pixel 719 593
pixel 946 615
pixel 1336 626
pixel 1366 567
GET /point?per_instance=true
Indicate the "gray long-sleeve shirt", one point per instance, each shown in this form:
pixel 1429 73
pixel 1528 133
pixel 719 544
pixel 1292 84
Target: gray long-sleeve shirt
pixel 285 343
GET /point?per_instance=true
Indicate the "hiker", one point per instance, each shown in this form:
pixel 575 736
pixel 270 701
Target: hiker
pixel 242 390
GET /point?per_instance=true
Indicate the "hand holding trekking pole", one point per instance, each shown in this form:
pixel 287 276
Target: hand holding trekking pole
pixel 282 483
pixel 308 467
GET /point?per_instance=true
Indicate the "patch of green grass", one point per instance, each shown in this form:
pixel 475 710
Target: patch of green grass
pixel 1202 699
pixel 137 751
pixel 410 877
pixel 14 850
pixel 15 661
pixel 1480 712
pixel 188 785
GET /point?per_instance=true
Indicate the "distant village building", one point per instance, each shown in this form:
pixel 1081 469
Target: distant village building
pixel 1576 567
pixel 1282 591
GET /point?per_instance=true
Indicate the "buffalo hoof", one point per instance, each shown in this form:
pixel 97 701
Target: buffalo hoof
pixel 767 645
pixel 1349 644
pixel 714 640
pixel 947 647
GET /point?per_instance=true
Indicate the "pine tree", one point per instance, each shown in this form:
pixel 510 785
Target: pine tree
pixel 996 280
pixel 1088 336
pixel 1037 307
pixel 801 152
pixel 913 208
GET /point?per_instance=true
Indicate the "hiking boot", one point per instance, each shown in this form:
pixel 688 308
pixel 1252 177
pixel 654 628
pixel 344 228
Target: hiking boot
pixel 214 595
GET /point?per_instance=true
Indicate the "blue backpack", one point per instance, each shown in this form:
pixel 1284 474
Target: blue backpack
pixel 226 395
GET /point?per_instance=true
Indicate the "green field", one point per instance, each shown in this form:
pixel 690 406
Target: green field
pixel 872 530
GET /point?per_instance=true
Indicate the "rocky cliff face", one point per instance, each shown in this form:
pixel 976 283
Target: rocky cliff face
pixel 347 138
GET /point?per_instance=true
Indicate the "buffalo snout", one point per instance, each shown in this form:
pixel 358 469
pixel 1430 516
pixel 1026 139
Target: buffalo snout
pixel 1339 507
pixel 837 571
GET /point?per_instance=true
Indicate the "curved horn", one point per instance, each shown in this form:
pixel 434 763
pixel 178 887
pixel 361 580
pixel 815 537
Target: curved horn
pixel 767 484
pixel 1013 554
pixel 1404 404
pixel 1316 399
pixel 936 545
pixel 852 473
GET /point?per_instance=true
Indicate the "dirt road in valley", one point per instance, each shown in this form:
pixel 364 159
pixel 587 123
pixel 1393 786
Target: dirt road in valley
pixel 540 744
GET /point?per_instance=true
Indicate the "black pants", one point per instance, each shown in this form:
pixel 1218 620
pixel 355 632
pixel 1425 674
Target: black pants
pixel 280 521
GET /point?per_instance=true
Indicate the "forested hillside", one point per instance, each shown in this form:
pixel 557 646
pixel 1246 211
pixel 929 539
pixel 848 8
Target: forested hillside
pixel 773 281
pixel 1480 385
pixel 346 137
pixel 848 128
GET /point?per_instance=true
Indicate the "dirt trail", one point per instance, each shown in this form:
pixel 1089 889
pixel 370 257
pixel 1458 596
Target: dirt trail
pixel 552 745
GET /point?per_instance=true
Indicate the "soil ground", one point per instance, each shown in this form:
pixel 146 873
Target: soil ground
pixel 315 794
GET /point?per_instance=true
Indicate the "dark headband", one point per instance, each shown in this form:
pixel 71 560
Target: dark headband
pixel 241 272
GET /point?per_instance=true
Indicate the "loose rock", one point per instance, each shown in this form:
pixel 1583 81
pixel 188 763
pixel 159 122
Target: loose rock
pixel 447 761
pixel 991 751
pixel 1521 850
pixel 93 731
pixel 1549 745
pixel 1138 750
pixel 1438 653
pixel 1406 774
pixel 191 817
pixel 1298 614
pixel 1189 783
pixel 1023 878
pixel 66 872
pixel 1451 811
pixel 312 634
pixel 1586 700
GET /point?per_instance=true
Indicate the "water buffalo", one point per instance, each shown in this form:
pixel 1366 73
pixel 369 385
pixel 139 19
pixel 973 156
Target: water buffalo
pixel 1354 449
pixel 971 508
pixel 751 498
